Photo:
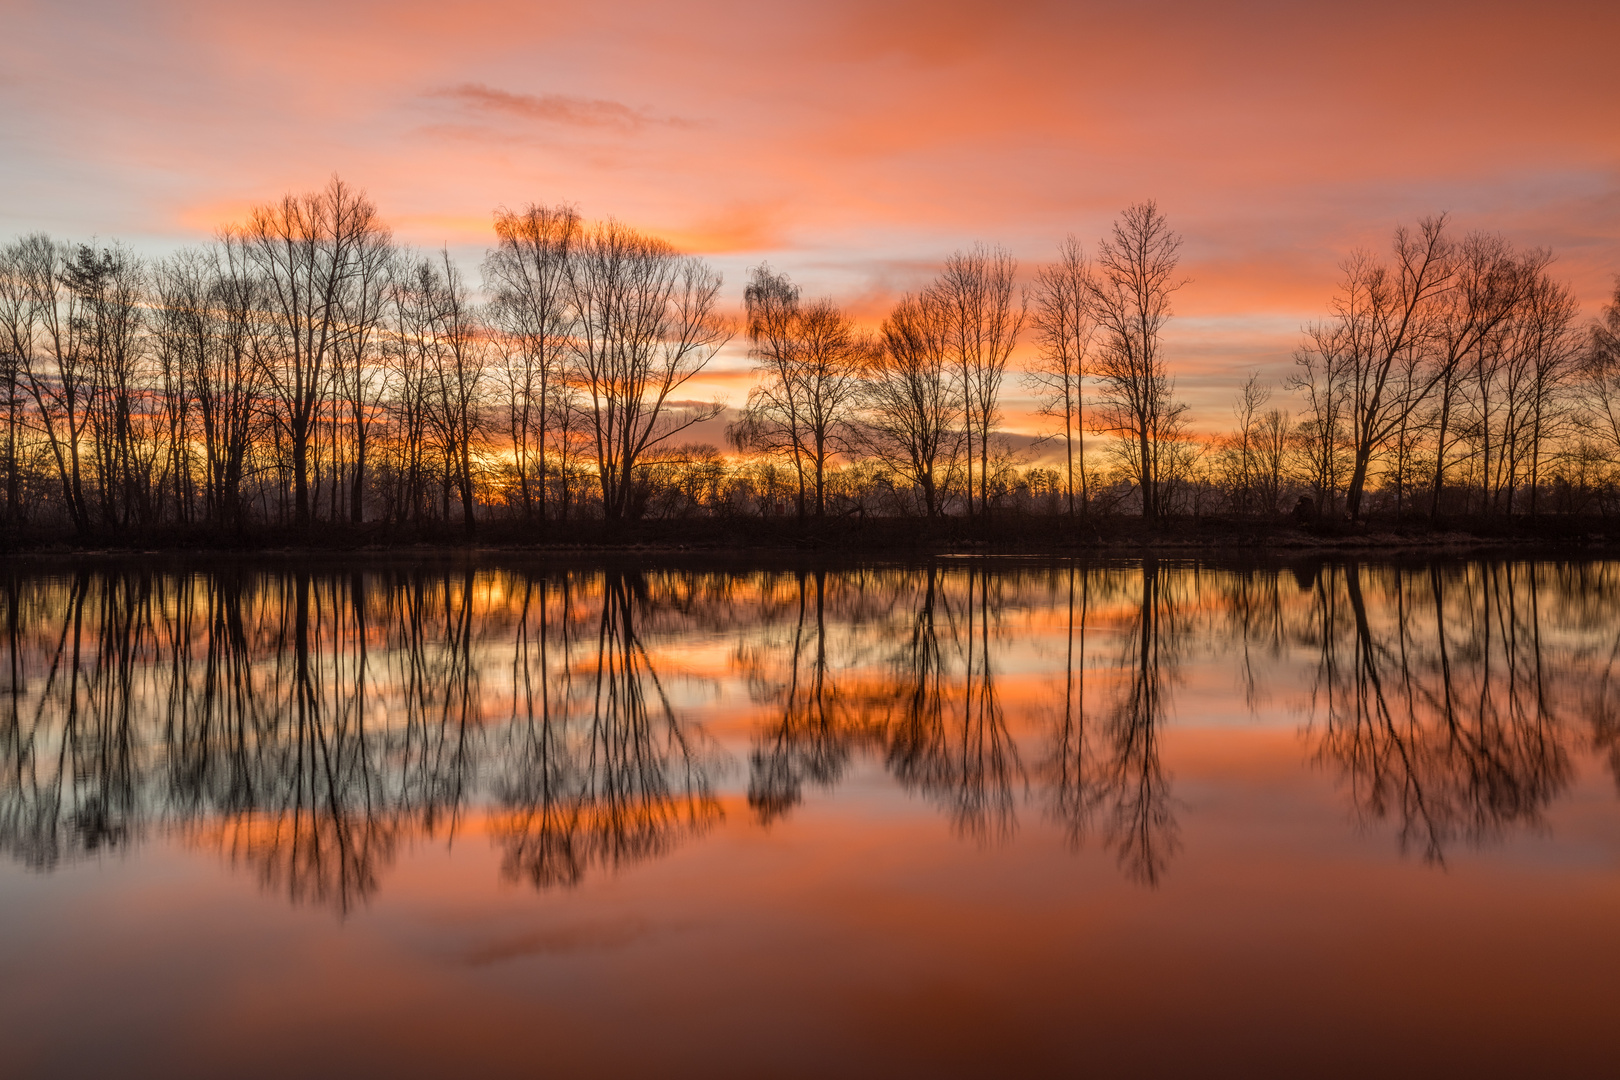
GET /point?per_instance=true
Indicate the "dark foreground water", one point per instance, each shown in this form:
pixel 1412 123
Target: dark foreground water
pixel 952 818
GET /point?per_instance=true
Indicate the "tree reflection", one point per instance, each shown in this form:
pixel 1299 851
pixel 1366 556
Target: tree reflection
pixel 974 769
pixel 1141 823
pixel 1069 769
pixel 541 831
pixel 1450 731
pixel 310 725
pixel 611 777
pixel 812 737
pixel 915 739
pixel 1588 596
pixel 441 705
pixel 933 712
pixel 161 705
pixel 310 811
pixel 1116 772
pixel 71 783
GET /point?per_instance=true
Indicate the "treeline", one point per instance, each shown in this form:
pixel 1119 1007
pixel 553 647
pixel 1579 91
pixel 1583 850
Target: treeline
pixel 1452 378
pixel 305 369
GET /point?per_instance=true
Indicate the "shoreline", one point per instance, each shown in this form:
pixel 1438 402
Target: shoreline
pixel 1272 546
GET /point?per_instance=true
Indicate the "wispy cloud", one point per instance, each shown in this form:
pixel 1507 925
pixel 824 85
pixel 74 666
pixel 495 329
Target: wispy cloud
pixel 555 108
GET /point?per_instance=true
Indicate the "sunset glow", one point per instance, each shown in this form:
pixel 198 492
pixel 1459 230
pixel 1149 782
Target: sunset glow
pixel 853 145
pixel 862 538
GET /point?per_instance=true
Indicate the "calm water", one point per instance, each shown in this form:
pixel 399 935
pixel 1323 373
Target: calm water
pixel 945 818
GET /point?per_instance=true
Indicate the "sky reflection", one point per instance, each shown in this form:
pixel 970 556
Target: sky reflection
pixel 950 818
pixel 304 725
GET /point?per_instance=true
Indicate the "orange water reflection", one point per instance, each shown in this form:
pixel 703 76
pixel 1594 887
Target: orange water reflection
pixel 832 806
pixel 304 723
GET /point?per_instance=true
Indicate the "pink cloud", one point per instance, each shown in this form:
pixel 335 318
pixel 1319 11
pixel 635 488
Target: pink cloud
pixel 553 108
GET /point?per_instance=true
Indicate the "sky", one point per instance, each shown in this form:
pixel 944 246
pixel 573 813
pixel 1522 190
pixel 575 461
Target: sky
pixel 853 144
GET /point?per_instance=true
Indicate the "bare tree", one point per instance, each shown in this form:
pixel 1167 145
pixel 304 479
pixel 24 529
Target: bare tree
pixel 1383 316
pixel 772 421
pixel 357 372
pixel 810 359
pixel 1321 373
pixel 296 370
pixel 413 379
pixel 527 274
pixel 571 438
pixel 1605 345
pixel 1433 346
pixel 1252 461
pixel 975 289
pixel 14 339
pixel 1469 338
pixel 110 331
pixel 439 370
pixel 1064 328
pixel 1239 452
pixel 42 324
pixel 177 397
pixel 1130 300
pixel 910 410
pixel 1548 352
pixel 180 323
pixel 1271 447
pixel 229 386
pixel 462 355
pixel 1520 379
pixel 1600 379
pixel 646 324
pixel 309 250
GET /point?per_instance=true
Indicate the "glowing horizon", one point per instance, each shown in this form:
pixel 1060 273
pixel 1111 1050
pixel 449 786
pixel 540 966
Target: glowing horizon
pixel 852 147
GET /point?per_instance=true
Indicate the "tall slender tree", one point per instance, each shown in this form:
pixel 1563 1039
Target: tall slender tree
pixel 1064 328
pixel 976 290
pixel 1130 301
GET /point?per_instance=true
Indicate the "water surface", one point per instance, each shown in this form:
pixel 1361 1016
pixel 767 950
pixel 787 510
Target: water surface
pixel 943 818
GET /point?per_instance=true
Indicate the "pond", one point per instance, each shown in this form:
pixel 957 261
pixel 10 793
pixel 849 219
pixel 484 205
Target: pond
pixel 952 816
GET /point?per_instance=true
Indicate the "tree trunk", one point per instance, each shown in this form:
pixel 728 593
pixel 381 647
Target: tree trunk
pixel 300 456
pixel 357 486
pixel 1150 501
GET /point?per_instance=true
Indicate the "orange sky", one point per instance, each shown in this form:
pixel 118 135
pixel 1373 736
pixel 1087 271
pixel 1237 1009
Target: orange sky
pixel 852 144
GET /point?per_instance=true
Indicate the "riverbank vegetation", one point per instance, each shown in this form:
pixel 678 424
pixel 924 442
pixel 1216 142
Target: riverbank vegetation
pixel 305 375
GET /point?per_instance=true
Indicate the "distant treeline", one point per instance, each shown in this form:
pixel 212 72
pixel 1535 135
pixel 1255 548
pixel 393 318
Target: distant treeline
pixel 303 368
